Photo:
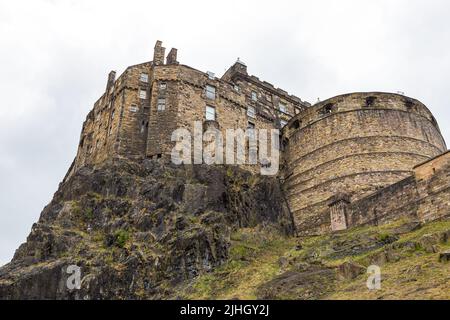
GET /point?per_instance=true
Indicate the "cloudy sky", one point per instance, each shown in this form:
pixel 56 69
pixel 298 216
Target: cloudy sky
pixel 55 56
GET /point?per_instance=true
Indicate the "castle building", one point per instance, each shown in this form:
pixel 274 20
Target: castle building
pixel 355 159
pixel 139 111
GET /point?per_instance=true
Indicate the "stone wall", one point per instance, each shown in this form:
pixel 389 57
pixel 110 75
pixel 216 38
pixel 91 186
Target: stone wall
pixel 424 196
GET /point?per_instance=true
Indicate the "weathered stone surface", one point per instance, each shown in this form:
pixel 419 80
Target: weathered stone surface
pixel 313 282
pixel 444 256
pixel 349 271
pixel 429 243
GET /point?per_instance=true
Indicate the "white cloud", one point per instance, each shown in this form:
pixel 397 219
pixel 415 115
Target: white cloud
pixel 55 56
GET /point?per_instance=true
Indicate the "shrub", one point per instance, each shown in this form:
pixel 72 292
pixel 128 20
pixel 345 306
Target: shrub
pixel 121 238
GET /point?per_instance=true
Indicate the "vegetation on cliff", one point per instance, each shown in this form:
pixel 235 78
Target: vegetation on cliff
pixel 154 231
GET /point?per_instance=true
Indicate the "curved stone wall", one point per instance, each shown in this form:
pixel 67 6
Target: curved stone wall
pixel 353 144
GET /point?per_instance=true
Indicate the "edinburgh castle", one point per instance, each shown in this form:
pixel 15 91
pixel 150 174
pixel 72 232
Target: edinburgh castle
pixel 356 159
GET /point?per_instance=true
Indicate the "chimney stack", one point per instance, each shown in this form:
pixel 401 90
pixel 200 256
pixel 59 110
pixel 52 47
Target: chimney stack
pixel 111 80
pixel 172 56
pixel 159 54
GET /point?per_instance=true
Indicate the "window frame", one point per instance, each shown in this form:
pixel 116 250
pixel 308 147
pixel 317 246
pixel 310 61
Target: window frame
pixel 251 114
pixel 141 95
pixel 254 96
pixel 207 109
pixel 210 94
pixel 161 104
pixel 144 77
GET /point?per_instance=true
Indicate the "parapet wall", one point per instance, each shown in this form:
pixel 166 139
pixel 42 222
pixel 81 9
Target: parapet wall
pixel 423 196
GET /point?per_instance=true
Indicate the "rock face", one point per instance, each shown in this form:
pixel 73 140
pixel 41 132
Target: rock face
pixel 135 230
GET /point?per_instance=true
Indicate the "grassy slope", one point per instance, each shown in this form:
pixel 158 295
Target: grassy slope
pixel 410 272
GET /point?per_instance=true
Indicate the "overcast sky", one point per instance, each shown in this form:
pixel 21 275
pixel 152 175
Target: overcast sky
pixel 55 56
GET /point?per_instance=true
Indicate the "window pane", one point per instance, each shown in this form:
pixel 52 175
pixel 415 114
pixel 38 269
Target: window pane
pixel 161 104
pixel 210 113
pixel 254 96
pixel 211 92
pixel 144 77
pixel 282 107
pixel 143 94
pixel 251 112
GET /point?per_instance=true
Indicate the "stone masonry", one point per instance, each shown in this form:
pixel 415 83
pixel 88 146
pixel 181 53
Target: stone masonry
pixel 355 159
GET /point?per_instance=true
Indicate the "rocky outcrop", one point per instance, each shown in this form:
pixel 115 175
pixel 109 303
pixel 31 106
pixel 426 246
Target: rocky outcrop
pixel 136 230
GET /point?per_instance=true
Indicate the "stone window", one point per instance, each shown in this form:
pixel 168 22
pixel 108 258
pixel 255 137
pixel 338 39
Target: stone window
pixel 254 96
pixel 237 88
pixel 110 130
pixel 210 113
pixel 134 108
pixel 161 104
pixel 283 107
pixel 251 112
pixel 327 109
pixel 144 77
pixel 163 86
pixel 370 101
pixel 143 94
pixel 295 124
pixel 251 130
pixel 144 125
pixel 112 114
pixel 211 92
pixel 283 123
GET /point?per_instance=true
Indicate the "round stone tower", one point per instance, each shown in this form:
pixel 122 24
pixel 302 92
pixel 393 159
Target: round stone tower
pixel 353 145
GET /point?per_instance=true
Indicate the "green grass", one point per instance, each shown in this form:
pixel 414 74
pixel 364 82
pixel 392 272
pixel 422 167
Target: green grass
pixel 121 238
pixel 255 255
